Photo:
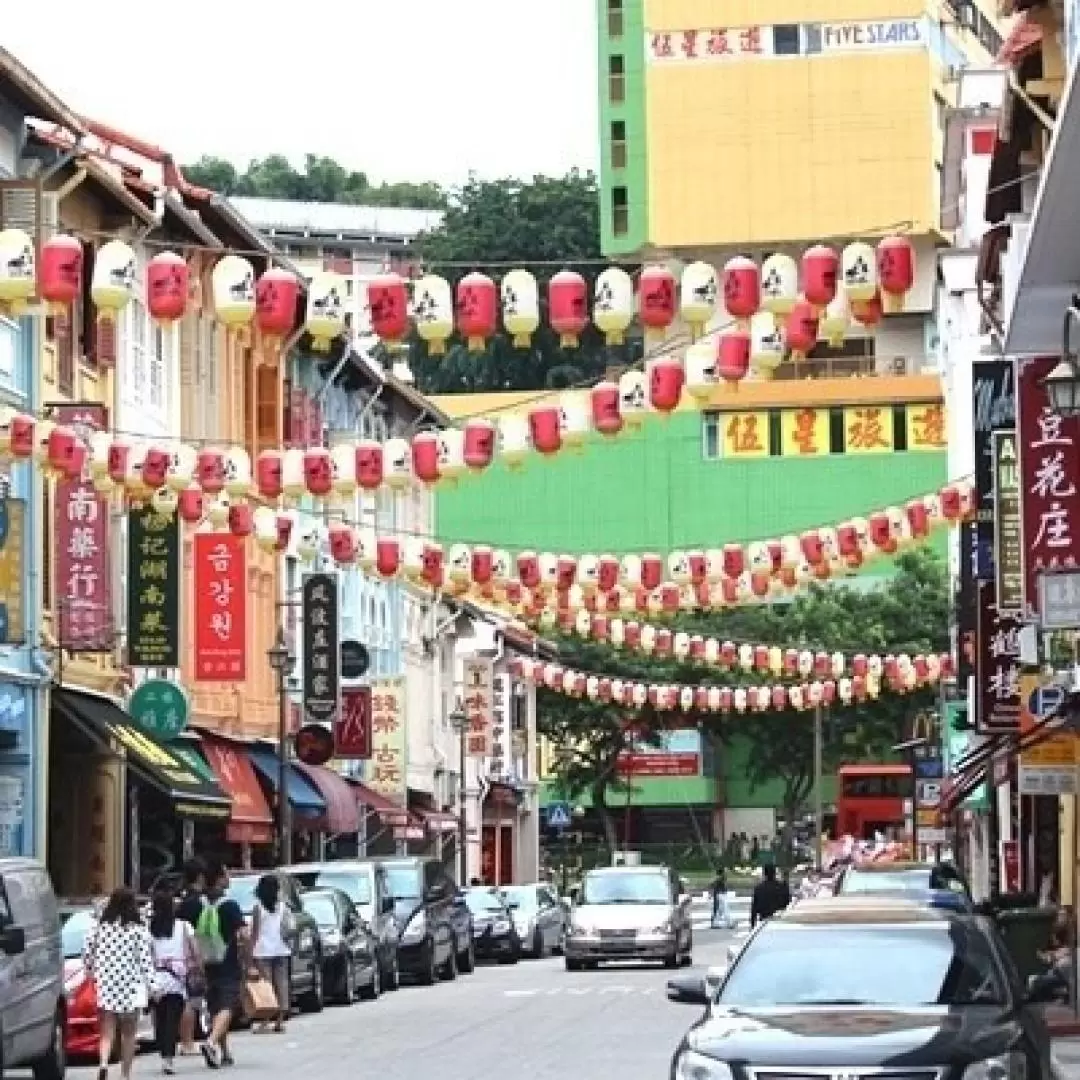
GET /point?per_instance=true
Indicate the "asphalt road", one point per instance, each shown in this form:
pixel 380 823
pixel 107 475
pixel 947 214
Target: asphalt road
pixel 530 1021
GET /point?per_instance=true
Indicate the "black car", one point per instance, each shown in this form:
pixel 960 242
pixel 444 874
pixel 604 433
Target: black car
pixel 849 986
pixel 305 966
pixel 494 935
pixel 435 925
pixel 901 877
pixel 350 964
pixel 364 881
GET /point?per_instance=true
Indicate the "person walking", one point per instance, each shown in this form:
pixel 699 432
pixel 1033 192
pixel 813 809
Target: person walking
pixel 271 931
pixel 769 897
pixel 192 901
pixel 117 956
pixel 221 935
pixel 719 899
pixel 172 946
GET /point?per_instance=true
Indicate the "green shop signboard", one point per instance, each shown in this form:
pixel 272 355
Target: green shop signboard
pixel 160 708
pixel 956 746
pixel 153 615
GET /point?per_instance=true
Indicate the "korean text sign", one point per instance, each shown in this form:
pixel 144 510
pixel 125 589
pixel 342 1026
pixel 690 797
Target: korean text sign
pixel 997 666
pixel 479 703
pixel 153 587
pixel 81 536
pixel 387 772
pixel 220 608
pixel 1049 492
pixel 352 733
pixel 321 638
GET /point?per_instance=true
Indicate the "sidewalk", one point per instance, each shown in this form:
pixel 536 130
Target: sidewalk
pixel 1067 1057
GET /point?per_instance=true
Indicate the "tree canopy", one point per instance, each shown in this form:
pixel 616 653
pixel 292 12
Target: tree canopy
pixel 543 225
pixel 322 179
pixel 909 613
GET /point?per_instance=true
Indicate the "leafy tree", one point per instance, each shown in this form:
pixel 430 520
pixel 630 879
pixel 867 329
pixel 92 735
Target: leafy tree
pixel 322 179
pixel 543 225
pixel 908 614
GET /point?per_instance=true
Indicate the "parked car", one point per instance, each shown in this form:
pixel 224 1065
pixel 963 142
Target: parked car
pixel 494 935
pixel 305 965
pixel 76 921
pixel 365 883
pixel 926 879
pixel 436 935
pixel 350 951
pixel 539 916
pixel 630 913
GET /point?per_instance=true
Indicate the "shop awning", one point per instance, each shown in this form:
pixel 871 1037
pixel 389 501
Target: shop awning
pixel 187 753
pixel 1024 38
pixel 436 821
pixel 969 772
pixel 302 796
pixel 250 811
pixel 107 724
pixel 341 811
pixel 387 811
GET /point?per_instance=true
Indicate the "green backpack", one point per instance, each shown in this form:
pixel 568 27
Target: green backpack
pixel 212 945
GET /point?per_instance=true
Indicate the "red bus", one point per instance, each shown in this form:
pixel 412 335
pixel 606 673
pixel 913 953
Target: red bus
pixel 870 799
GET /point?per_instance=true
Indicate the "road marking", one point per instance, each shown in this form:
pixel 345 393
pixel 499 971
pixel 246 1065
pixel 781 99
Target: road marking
pixel 520 993
pixel 581 991
pixel 616 990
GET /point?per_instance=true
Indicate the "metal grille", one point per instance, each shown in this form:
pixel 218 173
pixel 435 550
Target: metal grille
pixel 840 1072
pixel 618 934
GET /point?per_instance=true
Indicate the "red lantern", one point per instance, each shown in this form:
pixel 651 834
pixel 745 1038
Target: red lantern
pixel 318 471
pixel 742 287
pixel 119 452
pixel 528 568
pixel 387 557
pixel 283 523
pixel 733 355
pixel 896 271
pixel 801 329
pixel 568 307
pixel 761 657
pixel 791 661
pixel 727 699
pixel 952 503
pixel 61 449
pixel 632 635
pixel 60 269
pixel 545 429
pixel 670 600
pixel 921 667
pixel 476 304
pixel 277 293
pixel 662 646
pixel 779 697
pixel 701 699
pixel 881 532
pixel 166 287
pixel 699 567
pixel 481 565
pixel 918 518
pixel 828 691
pixel 822 664
pixel 657 299
pixel 268 474
pixel 425 457
pixel 867 312
pixel 652 571
pixel 77 461
pixel 606 412
pixel 697 647
pixel 209 471
pixel 859 665
pixel 565 572
pixel 858 688
pixel 241 519
pixel 155 466
pixel 734 560
pixel 607 573
pixel 388 307
pixel 369 464
pixel 847 540
pixel 22 436
pixel 343 543
pixel 819 269
pixel 603 690
pixel 192 504
pixel 948 668
pixel 666 378
pixel 479 443
pixel 600 628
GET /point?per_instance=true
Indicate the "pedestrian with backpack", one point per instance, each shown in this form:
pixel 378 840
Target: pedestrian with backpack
pixel 192 900
pixel 221 934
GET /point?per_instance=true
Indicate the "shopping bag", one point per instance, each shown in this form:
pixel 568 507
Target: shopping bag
pixel 260 1001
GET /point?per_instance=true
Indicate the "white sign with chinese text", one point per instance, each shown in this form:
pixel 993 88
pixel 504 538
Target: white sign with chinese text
pixel 387 769
pixel 479 704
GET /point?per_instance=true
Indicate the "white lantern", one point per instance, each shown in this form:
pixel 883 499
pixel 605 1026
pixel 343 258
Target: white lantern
pixel 680 645
pixel 343 470
pixel 366 548
pixel 698 292
pixel 18 269
pixel 324 319
pixel 617 633
pixel 233 283
pixel 217 510
pixel 592 687
pixel 588 571
pixel 714 699
pixel 740 699
pixel 686 698
pixel 513 439
pixel 574 420
pixel 583 624
pixel 412 558
pixel 700 365
pixel 164 501
pixel 237 472
pixel 712 651
pixel 451 442
pixel 113 279
pixel 835 320
pixel 633 397
pixel 678 567
pixel 858 271
pixel 520 306
pixel 630 570
pixel 307 540
pixel 639 695
pixel 397 464
pixel 779 284
pixel 182 459
pixel 746 657
pixel 766 344
pixel 613 304
pixel 502 566
pixel 293 484
pixel 264 528
pixel 433 312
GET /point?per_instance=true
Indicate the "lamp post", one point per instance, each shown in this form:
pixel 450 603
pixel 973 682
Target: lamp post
pixel 460 724
pixel 282 661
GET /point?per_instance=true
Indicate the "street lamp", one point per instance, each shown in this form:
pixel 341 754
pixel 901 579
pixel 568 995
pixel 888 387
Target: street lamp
pixel 282 661
pixel 1063 389
pixel 460 724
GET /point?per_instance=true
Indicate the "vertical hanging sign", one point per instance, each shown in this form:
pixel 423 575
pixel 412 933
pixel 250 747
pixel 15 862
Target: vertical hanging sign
pixel 321 648
pixel 220 608
pixel 479 677
pixel 81 536
pixel 153 589
pixel 1008 545
pixel 997 667
pixel 352 733
pixel 993 408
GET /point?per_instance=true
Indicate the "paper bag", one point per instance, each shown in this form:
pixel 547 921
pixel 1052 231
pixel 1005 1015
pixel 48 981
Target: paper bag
pixel 260 1001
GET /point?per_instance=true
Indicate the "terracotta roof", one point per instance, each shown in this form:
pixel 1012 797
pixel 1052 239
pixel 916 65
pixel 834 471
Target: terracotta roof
pixel 1023 39
pixel 23 88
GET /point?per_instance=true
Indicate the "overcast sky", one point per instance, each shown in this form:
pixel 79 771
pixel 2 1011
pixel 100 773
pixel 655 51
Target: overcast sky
pixel 403 89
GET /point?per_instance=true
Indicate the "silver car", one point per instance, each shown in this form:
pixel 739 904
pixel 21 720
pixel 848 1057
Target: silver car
pixel 629 913
pixel 539 918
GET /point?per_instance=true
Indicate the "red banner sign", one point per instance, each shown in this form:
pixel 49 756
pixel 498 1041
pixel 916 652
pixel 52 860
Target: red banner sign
pixel 352 733
pixel 220 608
pixel 997 665
pixel 677 764
pixel 1049 493
pixel 81 535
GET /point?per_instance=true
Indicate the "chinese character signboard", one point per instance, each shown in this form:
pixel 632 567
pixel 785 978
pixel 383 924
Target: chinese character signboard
pixel 352 733
pixel 12 569
pixel 1049 493
pixel 715 44
pixel 499 764
pixel 1008 544
pixel 993 408
pixel 81 535
pixel 997 666
pixel 321 648
pixel 479 706
pixel 745 434
pixel 387 771
pixel 868 429
pixel 926 427
pixel 804 432
pixel 220 608
pixel 153 589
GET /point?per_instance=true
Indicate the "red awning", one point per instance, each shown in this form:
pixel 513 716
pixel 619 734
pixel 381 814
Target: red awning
pixel 437 821
pixel 1024 38
pixel 341 813
pixel 388 811
pixel 251 821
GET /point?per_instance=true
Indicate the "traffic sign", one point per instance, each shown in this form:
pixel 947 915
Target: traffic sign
pixel 1045 700
pixel 558 816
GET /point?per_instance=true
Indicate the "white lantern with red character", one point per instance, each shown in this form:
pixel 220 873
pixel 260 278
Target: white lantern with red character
pixel 433 312
pixel 699 290
pixel 520 298
pixel 613 304
pixel 858 271
pixel 779 284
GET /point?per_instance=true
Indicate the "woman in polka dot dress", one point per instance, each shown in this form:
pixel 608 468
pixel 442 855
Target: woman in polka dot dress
pixel 119 959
